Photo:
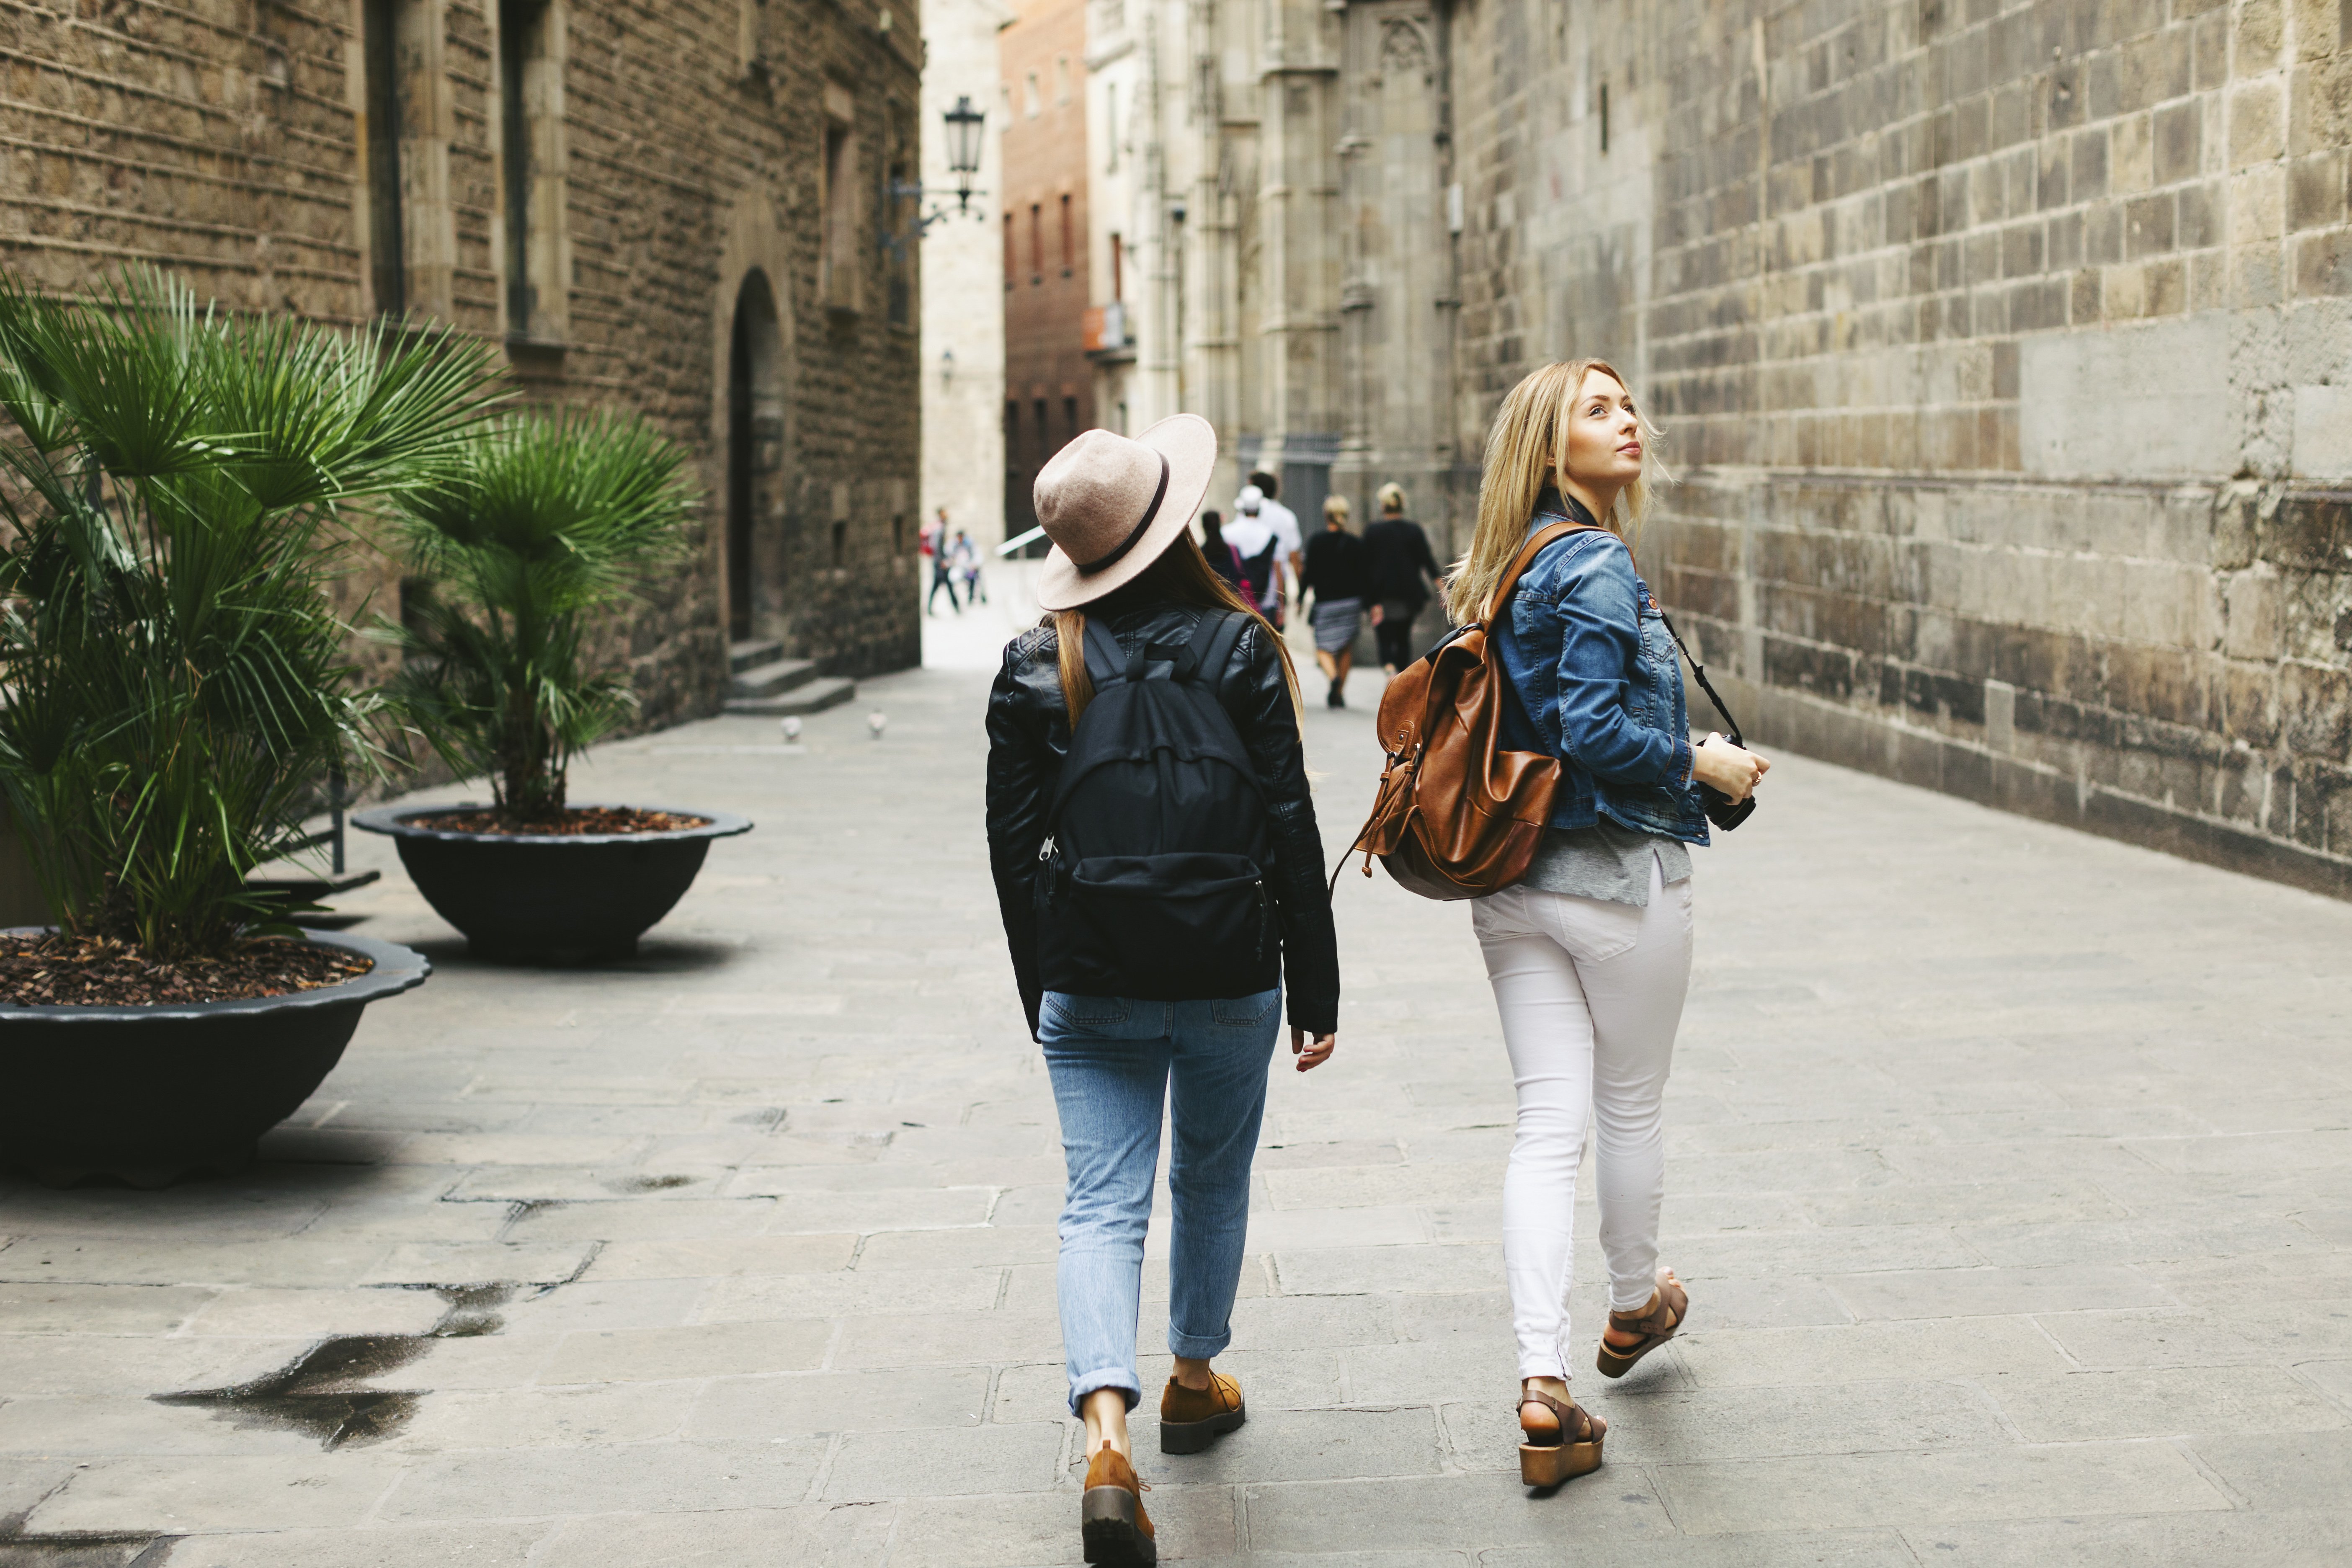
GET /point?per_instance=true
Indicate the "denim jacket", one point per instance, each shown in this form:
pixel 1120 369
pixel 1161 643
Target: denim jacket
pixel 1591 662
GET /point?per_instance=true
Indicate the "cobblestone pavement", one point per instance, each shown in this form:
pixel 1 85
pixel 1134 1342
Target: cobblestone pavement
pixel 2010 1169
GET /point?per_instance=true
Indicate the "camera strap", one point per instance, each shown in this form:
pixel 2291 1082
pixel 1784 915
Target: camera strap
pixel 1699 670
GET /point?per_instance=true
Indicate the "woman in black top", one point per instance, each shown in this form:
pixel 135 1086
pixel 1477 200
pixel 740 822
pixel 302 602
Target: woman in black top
pixel 1401 566
pixel 1334 574
pixel 1201 1051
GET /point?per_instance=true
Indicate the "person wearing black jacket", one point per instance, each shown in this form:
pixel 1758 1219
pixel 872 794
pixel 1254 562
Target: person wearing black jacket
pixel 1401 568
pixel 1337 575
pixel 1122 507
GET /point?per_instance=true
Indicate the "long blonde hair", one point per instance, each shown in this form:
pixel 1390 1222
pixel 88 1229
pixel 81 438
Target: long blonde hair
pixel 1527 448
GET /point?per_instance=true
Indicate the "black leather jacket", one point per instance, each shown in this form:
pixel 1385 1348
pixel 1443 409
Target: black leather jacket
pixel 1029 734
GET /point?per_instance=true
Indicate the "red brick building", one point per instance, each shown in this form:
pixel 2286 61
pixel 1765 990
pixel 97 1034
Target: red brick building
pixel 1048 395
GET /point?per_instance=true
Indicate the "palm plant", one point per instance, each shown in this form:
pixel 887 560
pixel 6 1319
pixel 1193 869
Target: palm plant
pixel 547 519
pixel 175 685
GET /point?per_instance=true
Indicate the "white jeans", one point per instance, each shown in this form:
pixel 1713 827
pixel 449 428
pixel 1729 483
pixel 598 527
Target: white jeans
pixel 1590 994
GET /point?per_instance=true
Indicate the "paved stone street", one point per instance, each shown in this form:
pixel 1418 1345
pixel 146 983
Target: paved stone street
pixel 2010 1169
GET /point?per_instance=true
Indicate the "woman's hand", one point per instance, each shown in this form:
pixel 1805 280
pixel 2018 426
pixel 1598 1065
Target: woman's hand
pixel 1314 1055
pixel 1729 769
pixel 1376 614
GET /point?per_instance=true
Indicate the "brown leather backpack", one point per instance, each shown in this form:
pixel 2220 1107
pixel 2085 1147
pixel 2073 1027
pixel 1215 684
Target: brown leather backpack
pixel 1456 817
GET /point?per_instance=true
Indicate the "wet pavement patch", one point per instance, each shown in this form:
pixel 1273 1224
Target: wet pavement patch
pixel 320 1393
pixel 80 1550
pixel 630 1185
pixel 315 1394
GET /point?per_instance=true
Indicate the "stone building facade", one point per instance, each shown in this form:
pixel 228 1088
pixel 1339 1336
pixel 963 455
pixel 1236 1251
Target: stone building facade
pixel 685 210
pixel 2002 347
pixel 1042 228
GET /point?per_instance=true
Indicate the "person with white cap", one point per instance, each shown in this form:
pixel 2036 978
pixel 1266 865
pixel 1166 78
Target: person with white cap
pixel 1259 549
pixel 1160 877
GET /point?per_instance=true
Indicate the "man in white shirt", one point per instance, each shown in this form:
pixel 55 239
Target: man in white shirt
pixel 1285 524
pixel 1249 534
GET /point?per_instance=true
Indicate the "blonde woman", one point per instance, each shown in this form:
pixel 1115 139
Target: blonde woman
pixel 1334 575
pixel 1590 953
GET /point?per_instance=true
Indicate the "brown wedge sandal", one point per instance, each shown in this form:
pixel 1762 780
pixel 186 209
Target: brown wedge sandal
pixel 1574 1449
pixel 1656 1323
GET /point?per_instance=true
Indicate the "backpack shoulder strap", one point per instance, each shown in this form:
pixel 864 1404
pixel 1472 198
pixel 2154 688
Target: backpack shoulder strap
pixel 1212 647
pixel 1104 663
pixel 1526 558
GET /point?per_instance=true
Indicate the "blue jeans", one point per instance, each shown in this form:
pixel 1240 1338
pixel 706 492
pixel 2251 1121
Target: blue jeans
pixel 1112 1060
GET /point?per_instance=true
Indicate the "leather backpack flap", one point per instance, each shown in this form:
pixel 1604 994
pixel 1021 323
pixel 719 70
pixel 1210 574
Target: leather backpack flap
pixel 1457 815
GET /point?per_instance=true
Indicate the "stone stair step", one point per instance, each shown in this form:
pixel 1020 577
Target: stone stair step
pixel 751 651
pixel 772 679
pixel 825 692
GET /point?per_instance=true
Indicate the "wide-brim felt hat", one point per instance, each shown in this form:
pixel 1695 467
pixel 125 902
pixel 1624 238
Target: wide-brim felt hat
pixel 1112 506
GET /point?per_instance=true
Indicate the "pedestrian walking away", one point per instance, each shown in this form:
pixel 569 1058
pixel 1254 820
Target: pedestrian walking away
pixel 1401 570
pixel 1336 575
pixel 1159 875
pixel 965 558
pixel 1290 559
pixel 1589 952
pixel 1258 550
pixel 1221 558
pixel 937 547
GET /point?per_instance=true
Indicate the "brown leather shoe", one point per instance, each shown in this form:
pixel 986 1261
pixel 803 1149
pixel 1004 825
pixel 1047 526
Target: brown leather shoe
pixel 1192 1418
pixel 1116 1530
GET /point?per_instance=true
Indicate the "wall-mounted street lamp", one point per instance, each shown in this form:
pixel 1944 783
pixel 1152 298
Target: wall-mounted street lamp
pixel 963 127
pixel 963 123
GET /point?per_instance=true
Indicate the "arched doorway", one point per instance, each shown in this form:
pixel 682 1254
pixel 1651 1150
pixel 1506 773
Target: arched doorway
pixel 755 456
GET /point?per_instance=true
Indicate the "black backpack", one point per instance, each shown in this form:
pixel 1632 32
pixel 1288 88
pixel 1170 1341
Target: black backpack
pixel 1152 876
pixel 1258 569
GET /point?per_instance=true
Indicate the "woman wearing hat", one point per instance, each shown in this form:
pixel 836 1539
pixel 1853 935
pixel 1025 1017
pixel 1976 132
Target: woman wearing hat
pixel 1118 513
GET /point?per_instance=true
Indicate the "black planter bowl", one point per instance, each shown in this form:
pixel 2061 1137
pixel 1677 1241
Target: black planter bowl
pixel 152 1094
pixel 550 898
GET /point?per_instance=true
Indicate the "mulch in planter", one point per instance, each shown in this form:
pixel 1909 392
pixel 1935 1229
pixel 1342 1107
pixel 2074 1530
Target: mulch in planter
pixel 60 970
pixel 578 819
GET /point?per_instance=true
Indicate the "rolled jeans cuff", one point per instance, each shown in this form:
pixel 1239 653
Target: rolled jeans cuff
pixel 1119 1378
pixel 1198 1347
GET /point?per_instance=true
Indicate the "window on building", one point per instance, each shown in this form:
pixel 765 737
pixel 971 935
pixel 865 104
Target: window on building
pixel 1012 258
pixel 1005 102
pixel 838 202
pixel 530 120
pixel 1061 80
pixel 1118 268
pixel 903 217
pixel 902 284
pixel 1029 99
pixel 1604 117
pixel 752 37
pixel 1122 418
pixel 1111 125
pixel 1012 433
pixel 1037 243
pixel 1070 238
pixel 1070 418
pixel 379 66
pixel 841 544
pixel 1045 447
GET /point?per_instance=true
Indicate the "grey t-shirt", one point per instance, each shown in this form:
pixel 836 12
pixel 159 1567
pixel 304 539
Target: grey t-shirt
pixel 1606 861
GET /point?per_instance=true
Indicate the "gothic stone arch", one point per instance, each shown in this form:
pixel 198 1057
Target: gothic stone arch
pixel 747 472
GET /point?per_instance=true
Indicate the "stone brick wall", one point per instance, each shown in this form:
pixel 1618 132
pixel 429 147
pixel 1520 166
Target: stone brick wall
pixel 2005 350
pixel 224 140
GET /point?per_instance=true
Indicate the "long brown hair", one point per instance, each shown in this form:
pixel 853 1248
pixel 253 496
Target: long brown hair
pixel 1526 450
pixel 1181 576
